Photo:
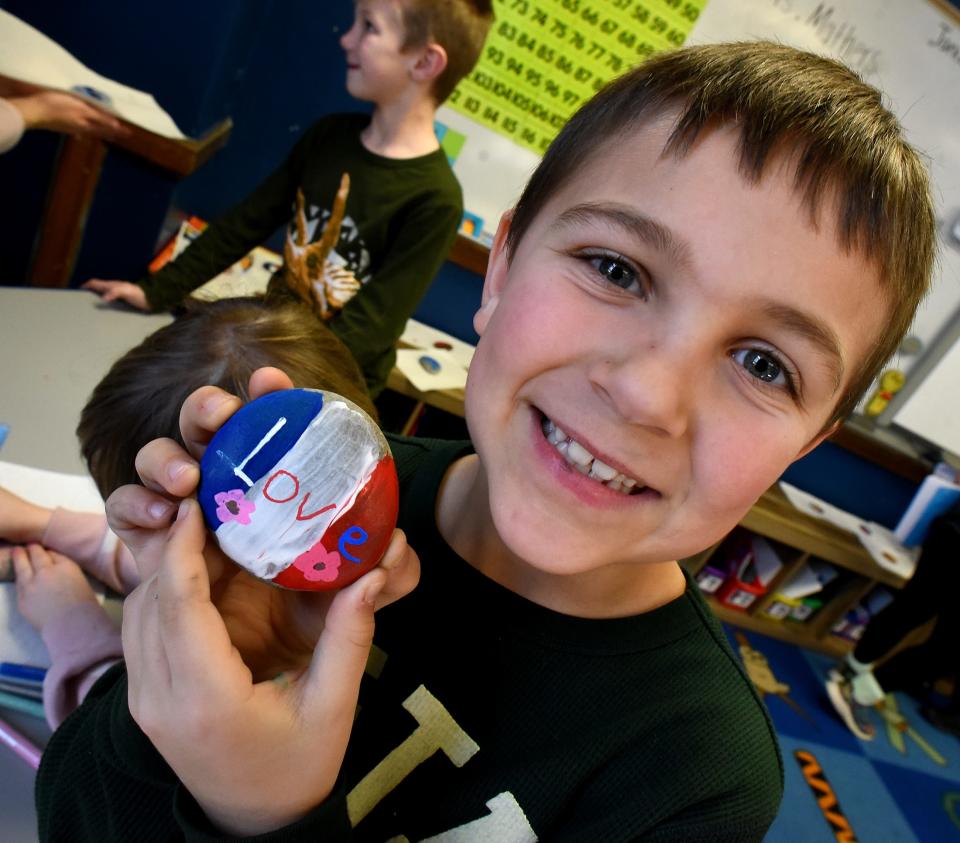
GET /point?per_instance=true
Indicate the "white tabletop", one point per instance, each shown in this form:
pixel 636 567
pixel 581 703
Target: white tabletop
pixel 55 346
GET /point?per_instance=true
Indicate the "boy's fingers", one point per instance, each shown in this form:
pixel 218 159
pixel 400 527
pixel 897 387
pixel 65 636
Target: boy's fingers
pixel 132 508
pixel 402 566
pixel 39 557
pixel 21 564
pixel 165 467
pixel 268 379
pixel 192 630
pixel 340 657
pixel 202 415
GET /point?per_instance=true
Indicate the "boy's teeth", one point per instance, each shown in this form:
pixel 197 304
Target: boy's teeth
pixel 584 462
pixel 578 454
pixel 602 471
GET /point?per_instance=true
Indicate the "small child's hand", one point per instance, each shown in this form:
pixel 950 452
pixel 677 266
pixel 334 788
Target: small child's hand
pixel 21 522
pixel 48 584
pixel 115 290
pixel 255 755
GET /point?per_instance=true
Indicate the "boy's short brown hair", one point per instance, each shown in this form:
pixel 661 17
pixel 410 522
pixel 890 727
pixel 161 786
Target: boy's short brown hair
pixel 219 343
pixel 459 26
pixel 848 148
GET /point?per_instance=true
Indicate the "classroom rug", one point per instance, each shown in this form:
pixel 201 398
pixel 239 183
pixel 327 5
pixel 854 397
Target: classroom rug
pixel 901 787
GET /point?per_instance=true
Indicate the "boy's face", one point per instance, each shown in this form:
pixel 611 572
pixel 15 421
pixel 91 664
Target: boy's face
pixel 689 330
pixel 377 69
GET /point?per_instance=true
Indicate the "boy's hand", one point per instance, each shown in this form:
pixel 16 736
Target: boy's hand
pixel 273 629
pixel 255 755
pixel 48 584
pixel 21 522
pixel 113 290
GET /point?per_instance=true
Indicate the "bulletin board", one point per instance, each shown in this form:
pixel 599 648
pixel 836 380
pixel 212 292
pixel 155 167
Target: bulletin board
pixel 541 61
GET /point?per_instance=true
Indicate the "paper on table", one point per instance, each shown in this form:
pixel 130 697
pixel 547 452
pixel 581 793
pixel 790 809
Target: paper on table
pixel 20 642
pixel 418 335
pixel 30 56
pixel 449 375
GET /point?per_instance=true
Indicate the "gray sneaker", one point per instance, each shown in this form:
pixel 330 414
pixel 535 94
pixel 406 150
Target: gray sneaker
pixel 851 712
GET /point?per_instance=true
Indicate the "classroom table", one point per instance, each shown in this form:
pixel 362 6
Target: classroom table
pixel 55 346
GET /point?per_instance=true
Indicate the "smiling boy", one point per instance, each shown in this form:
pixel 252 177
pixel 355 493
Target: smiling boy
pixel 708 267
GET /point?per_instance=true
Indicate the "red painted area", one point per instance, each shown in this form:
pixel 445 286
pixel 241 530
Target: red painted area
pixel 375 510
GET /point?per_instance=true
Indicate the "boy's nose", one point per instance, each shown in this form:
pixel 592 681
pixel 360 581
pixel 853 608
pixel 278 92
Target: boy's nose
pixel 347 38
pixel 650 388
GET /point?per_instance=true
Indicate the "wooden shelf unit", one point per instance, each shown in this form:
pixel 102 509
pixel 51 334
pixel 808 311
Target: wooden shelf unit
pixel 775 518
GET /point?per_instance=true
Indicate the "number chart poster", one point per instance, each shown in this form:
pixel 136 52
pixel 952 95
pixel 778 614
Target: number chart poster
pixel 541 61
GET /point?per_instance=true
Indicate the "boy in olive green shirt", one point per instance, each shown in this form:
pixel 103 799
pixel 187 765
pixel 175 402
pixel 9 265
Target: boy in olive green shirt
pixel 673 313
pixel 403 203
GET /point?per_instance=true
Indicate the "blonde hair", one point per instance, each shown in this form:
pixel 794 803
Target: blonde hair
pixel 459 26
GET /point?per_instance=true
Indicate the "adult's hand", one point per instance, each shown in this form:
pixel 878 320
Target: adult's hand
pixel 63 112
pixel 115 290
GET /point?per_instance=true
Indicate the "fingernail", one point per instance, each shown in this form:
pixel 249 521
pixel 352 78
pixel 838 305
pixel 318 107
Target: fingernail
pixel 178 467
pixel 183 509
pixel 159 510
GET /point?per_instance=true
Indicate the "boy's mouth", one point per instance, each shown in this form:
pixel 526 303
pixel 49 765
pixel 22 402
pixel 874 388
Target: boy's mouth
pixel 586 463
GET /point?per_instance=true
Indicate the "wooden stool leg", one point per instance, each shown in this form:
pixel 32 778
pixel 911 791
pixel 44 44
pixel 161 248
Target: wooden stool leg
pixel 68 202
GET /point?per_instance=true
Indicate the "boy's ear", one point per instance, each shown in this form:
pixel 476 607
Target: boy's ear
pixel 497 267
pixel 431 62
pixel 824 434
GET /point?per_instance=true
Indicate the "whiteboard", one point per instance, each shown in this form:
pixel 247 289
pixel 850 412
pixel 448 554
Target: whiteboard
pixel 933 410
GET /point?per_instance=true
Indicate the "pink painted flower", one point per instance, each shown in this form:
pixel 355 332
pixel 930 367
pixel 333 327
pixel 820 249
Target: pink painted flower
pixel 233 506
pixel 318 564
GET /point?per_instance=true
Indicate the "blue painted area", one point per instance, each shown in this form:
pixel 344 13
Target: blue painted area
pixel 852 483
pixel 243 432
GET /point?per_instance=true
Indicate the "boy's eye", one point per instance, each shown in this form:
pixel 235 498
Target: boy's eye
pixel 765 366
pixel 617 271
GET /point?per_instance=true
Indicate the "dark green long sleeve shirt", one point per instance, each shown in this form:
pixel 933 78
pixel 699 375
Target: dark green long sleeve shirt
pixel 487 716
pixel 401 219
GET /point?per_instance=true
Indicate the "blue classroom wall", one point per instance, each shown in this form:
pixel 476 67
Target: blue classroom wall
pixel 852 483
pixel 273 67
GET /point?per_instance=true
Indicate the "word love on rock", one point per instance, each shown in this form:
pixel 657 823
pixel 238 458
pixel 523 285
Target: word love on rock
pixel 300 489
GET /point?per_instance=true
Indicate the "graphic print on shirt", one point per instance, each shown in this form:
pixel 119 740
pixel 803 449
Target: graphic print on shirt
pixel 437 731
pixel 325 259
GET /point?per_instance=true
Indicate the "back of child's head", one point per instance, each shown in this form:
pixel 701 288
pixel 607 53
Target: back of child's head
pixel 848 150
pixel 459 26
pixel 219 343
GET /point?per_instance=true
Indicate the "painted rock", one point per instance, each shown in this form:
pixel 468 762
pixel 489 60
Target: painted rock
pixel 300 489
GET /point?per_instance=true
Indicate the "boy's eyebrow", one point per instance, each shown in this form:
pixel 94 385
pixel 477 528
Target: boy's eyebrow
pixel 814 330
pixel 639 225
pixel 649 230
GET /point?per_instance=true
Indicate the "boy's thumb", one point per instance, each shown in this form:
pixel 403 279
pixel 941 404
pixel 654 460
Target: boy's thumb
pixel 340 657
